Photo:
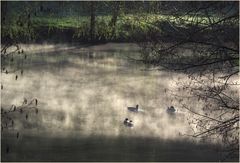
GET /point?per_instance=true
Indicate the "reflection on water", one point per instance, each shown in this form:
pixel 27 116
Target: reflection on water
pixel 83 93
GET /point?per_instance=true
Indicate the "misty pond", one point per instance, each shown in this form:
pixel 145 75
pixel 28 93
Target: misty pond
pixel 83 93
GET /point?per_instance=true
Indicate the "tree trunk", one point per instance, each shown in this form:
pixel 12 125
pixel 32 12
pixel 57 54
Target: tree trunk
pixel 4 11
pixel 92 24
pixel 113 22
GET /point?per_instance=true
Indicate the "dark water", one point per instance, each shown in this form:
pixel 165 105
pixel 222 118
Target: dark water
pixel 83 95
pixel 96 148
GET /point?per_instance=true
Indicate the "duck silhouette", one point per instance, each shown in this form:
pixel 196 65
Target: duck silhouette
pixel 128 122
pixel 171 110
pixel 133 109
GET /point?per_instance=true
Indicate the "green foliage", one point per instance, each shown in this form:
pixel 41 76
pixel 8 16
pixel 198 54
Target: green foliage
pixel 17 31
pixel 128 26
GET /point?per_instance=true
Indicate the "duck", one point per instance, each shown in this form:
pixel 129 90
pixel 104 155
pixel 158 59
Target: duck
pixel 128 122
pixel 125 121
pixel 171 110
pixel 133 109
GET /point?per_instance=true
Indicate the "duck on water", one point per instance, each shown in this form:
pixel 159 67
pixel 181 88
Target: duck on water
pixel 171 110
pixel 135 109
pixel 128 122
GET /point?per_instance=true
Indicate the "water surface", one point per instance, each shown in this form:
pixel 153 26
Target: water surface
pixel 83 94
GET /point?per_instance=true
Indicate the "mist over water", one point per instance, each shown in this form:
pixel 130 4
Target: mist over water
pixel 84 91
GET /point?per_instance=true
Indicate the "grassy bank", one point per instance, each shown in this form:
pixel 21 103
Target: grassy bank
pixel 77 28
